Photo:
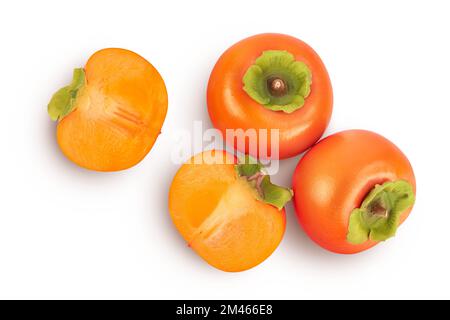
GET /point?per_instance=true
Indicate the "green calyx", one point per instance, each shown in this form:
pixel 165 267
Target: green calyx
pixel 63 101
pixel 268 192
pixel 379 215
pixel 278 82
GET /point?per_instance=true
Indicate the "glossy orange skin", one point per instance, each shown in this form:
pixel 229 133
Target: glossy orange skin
pixel 334 177
pixel 219 216
pixel 118 114
pixel 231 107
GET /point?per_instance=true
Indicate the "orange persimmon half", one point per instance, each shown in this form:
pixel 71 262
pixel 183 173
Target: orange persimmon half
pixel 228 213
pixel 276 85
pixel 111 114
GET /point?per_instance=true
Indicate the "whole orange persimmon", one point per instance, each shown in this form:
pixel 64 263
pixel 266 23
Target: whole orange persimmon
pixel 228 212
pixel 111 114
pixel 352 190
pixel 270 82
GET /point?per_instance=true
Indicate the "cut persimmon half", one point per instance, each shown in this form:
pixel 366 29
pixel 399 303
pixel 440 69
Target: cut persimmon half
pixel 111 114
pixel 229 213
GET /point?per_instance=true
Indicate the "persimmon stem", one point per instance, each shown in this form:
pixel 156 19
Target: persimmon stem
pixel 277 86
pixel 255 175
pixel 277 81
pixel 379 210
pixel 378 217
pixel 63 101
pixel 258 178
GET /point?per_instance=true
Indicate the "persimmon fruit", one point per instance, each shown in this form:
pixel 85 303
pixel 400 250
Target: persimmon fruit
pixel 270 82
pixel 229 213
pixel 111 114
pixel 352 190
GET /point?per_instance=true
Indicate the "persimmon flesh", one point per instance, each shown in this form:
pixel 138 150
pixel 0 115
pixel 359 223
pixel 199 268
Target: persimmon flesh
pixel 221 216
pixel 111 115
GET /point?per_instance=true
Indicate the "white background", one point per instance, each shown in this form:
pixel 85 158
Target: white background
pixel 66 232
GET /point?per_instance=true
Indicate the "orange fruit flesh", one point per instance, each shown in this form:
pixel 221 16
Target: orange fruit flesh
pixel 118 113
pixel 220 217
